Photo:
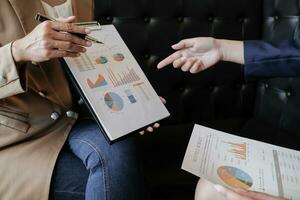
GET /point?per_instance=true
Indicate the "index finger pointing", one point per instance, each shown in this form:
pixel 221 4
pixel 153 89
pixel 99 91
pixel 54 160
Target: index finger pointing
pixel 169 60
pixel 69 27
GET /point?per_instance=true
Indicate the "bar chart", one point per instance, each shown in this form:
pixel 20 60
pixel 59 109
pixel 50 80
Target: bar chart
pixel 122 78
pixel 238 150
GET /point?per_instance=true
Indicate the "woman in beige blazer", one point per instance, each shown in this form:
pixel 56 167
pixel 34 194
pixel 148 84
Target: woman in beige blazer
pixel 37 113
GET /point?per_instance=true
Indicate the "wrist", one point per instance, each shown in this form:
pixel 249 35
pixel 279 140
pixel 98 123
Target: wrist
pixel 231 51
pixel 17 52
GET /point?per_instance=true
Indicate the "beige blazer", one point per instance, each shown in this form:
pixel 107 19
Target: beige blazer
pixel 34 100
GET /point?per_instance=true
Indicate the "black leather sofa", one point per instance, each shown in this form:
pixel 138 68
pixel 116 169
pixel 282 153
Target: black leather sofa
pixel 267 110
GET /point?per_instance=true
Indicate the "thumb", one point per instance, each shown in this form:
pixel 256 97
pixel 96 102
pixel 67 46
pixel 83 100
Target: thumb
pixel 183 44
pixel 67 20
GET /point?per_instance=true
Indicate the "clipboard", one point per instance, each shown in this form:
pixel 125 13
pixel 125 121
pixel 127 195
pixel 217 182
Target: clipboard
pixel 113 86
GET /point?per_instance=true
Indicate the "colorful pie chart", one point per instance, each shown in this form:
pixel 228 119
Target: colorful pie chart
pixel 235 178
pixel 118 57
pixel 113 101
pixel 101 60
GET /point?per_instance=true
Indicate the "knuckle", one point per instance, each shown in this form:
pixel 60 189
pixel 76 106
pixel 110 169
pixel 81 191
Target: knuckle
pixel 45 44
pixel 65 54
pixel 68 37
pixel 46 34
pixel 69 26
pixel 45 54
pixel 69 45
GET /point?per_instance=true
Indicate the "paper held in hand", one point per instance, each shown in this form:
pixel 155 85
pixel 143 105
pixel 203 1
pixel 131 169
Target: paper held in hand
pixel 114 86
pixel 237 162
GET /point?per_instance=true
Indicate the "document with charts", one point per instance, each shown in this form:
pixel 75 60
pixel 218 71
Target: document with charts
pixel 114 86
pixel 237 162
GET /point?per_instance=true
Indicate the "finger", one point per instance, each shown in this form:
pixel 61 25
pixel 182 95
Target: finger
pixel 68 27
pixel 230 195
pixel 183 44
pixel 197 67
pixel 67 20
pixel 68 46
pixel 163 100
pixel 71 38
pixel 142 132
pixel 190 62
pixel 169 59
pixel 150 129
pixel 179 62
pixel 257 195
pixel 60 54
pixel 156 125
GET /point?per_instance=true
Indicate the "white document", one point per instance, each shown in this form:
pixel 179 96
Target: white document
pixel 115 86
pixel 237 162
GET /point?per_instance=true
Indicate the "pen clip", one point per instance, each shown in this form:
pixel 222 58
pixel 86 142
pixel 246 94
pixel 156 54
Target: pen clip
pixel 41 18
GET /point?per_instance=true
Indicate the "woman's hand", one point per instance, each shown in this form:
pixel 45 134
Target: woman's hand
pixel 197 54
pixel 51 40
pixel 156 125
pixel 243 194
pixel 194 55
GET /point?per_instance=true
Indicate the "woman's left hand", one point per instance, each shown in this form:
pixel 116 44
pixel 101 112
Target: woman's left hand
pixel 240 194
pixel 151 129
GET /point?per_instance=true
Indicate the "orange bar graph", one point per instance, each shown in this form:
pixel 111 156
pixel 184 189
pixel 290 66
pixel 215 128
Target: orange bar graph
pixel 239 150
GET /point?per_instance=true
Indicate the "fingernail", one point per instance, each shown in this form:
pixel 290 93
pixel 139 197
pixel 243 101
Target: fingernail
pixel 183 58
pixel 83 50
pixel 88 43
pixel 78 54
pixel 219 188
pixel 87 30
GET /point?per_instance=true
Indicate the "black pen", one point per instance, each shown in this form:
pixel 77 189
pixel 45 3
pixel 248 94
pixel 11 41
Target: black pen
pixel 41 18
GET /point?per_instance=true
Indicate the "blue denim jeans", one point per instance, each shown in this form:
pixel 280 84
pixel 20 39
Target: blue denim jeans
pixel 98 171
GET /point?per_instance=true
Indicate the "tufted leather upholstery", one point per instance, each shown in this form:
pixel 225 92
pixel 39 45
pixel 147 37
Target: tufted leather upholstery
pixel 150 27
pixel 278 100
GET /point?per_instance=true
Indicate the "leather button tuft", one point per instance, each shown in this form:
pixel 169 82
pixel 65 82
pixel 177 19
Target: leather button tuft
pixel 266 85
pixel 242 20
pixel 211 19
pixel 276 17
pixel 146 56
pixel 55 116
pixel 288 94
pixel 147 19
pixel 180 19
pixel 109 18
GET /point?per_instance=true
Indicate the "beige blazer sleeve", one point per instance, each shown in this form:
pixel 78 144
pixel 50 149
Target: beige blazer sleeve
pixel 10 82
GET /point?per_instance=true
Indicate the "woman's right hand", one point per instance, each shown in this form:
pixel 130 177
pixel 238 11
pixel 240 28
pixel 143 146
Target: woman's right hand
pixel 197 54
pixel 194 55
pixel 51 40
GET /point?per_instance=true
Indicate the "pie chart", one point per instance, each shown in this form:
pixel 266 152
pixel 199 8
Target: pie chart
pixel 118 57
pixel 113 101
pixel 234 177
pixel 101 60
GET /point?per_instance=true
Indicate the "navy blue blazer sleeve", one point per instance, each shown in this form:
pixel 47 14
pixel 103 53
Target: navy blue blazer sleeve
pixel 265 60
